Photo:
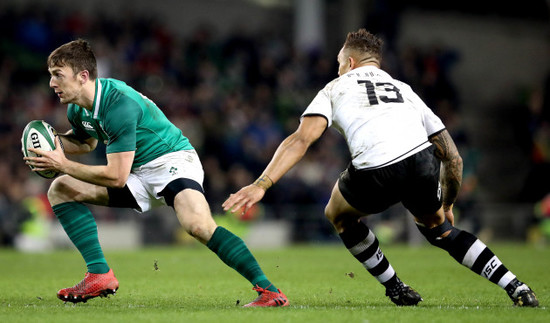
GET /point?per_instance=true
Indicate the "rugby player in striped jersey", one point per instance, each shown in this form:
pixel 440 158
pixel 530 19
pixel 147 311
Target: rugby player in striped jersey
pixel 399 149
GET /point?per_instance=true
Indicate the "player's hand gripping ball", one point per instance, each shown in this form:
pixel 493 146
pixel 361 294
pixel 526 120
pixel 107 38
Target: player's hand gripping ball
pixel 39 134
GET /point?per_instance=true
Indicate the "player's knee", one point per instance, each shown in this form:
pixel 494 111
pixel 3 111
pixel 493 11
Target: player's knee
pixel 338 220
pixel 329 213
pixel 59 190
pixel 200 231
pixel 194 230
pixel 341 221
pixel 440 235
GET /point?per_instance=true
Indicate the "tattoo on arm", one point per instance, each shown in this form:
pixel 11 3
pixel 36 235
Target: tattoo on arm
pixel 451 174
pixel 442 142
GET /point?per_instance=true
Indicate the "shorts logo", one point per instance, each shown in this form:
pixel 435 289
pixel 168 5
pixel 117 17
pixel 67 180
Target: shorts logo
pixel 439 191
pixel 173 171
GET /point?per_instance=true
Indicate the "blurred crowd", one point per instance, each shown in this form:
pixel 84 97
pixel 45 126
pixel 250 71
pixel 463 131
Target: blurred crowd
pixel 235 97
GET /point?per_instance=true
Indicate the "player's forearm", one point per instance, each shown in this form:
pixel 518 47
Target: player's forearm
pixel 74 146
pixel 451 180
pixel 288 154
pixel 451 173
pixel 101 175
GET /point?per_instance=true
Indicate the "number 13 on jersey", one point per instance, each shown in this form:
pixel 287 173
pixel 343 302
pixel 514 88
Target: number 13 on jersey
pixel 383 91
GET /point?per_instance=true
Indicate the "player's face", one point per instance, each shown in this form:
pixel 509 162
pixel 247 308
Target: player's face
pixel 343 63
pixel 65 83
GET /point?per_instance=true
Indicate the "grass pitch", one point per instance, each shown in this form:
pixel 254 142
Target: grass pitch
pixel 324 283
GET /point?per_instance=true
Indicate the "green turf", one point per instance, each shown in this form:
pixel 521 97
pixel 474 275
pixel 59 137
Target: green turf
pixel 192 285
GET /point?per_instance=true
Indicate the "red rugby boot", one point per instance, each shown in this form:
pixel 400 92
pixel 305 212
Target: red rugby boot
pixel 91 286
pixel 268 298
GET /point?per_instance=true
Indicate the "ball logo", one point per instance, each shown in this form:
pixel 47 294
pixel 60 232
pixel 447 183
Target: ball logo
pixel 35 140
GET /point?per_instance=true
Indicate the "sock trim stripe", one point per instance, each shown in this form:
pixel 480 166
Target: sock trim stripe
pixel 506 279
pixel 380 268
pixel 354 234
pixel 374 260
pixel 369 252
pixel 363 245
pixel 499 272
pixel 458 250
pixel 472 253
pixel 386 275
pixel 481 261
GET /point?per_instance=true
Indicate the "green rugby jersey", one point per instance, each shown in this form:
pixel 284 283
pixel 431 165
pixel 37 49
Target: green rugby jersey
pixel 126 120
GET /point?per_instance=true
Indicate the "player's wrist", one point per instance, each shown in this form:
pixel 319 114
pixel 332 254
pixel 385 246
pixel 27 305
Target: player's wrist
pixel 264 182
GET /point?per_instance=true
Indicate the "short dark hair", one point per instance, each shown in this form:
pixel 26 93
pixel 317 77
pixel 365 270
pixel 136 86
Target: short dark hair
pixel 77 54
pixel 363 41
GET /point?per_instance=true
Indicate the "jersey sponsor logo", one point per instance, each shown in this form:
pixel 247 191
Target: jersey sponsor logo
pixel 88 125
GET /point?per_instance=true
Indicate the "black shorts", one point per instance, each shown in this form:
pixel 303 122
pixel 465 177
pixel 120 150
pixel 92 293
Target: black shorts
pixel 413 181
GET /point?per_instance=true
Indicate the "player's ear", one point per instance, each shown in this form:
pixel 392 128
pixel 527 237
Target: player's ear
pixel 352 62
pixel 83 76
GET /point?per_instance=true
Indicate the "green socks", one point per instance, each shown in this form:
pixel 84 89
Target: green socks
pixel 80 226
pixel 234 253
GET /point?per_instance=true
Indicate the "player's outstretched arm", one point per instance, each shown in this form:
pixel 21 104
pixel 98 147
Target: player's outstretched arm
pixel 288 154
pixel 451 173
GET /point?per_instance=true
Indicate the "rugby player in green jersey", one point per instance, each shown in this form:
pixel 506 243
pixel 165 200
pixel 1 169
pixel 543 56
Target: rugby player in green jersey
pixel 149 163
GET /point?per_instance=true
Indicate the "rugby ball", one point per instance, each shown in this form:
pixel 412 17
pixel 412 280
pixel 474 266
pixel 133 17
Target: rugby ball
pixel 39 134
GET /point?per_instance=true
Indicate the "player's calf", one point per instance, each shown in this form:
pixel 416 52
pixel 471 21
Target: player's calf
pixel 364 246
pixel 469 251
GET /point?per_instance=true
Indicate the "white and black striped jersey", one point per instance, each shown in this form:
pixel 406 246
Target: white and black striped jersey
pixel 382 119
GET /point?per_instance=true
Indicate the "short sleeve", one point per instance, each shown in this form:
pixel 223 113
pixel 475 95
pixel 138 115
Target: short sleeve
pixel 432 123
pixel 76 123
pixel 120 124
pixel 321 106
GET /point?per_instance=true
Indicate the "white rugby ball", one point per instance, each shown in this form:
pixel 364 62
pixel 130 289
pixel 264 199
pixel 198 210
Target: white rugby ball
pixel 39 134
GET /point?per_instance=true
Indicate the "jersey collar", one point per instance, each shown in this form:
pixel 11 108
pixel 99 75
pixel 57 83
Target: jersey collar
pixel 97 98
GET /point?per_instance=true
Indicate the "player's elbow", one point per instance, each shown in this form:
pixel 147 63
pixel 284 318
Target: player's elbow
pixel 92 146
pixel 459 162
pixel 297 144
pixel 454 162
pixel 456 159
pixel 116 181
pixel 88 145
pixel 119 182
